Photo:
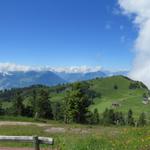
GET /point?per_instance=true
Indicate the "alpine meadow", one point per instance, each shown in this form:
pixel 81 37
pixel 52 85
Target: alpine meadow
pixel 75 75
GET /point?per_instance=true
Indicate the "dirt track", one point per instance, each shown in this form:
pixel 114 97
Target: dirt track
pixel 49 128
pixel 16 149
pixel 23 123
pixel 20 149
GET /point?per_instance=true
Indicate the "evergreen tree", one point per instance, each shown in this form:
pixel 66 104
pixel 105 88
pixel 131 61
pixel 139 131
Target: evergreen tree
pixel 93 117
pixel 27 111
pixel 43 108
pixel 130 119
pixel 142 119
pixel 57 111
pixel 119 118
pixel 76 105
pixel 68 106
pixel 34 102
pixel 111 118
pixel 105 118
pixel 145 95
pixel 18 106
pixel 89 118
pixel 2 111
pixel 108 117
pixel 96 117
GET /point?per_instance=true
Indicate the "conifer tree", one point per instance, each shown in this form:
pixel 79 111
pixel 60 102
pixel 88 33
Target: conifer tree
pixel 142 119
pixel 130 119
pixel 18 106
pixel 43 108
pixel 96 117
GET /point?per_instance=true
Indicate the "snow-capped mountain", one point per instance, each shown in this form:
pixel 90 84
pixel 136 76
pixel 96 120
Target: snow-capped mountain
pixel 15 76
pixel 19 79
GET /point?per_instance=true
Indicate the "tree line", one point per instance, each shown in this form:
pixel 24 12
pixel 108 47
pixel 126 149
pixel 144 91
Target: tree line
pixel 74 108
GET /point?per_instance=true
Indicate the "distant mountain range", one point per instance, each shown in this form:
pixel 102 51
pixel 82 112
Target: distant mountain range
pixel 17 79
pixel 72 77
pixel 24 79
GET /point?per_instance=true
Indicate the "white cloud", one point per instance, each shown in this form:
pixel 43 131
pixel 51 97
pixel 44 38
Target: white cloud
pixel 10 67
pixel 76 69
pixel 5 67
pixel 140 9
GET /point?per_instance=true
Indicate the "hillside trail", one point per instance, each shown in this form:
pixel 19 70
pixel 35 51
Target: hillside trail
pixel 23 123
pixel 23 149
pixel 16 148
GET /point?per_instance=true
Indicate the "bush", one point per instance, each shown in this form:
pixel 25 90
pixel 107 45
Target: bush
pixel 116 87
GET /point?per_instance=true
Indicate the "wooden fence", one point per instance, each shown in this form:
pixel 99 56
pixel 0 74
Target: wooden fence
pixel 31 139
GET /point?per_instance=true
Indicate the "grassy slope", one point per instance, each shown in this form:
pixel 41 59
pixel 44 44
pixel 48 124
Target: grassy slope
pixel 126 97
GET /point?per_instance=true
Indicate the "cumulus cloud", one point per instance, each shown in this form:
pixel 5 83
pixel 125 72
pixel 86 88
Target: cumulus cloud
pixel 76 69
pixel 5 67
pixel 11 67
pixel 140 10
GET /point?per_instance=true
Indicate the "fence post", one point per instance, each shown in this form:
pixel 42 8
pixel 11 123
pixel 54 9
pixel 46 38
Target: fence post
pixel 36 143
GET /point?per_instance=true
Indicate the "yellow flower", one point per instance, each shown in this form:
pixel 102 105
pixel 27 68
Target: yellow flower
pixel 142 140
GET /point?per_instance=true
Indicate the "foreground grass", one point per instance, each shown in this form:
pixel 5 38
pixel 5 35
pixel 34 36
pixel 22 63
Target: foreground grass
pixel 79 137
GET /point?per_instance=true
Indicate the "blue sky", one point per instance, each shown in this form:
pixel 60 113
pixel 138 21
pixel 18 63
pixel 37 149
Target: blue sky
pixel 66 33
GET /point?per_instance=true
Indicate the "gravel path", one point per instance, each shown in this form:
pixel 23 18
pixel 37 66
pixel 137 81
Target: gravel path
pixel 23 123
pixel 16 149
pixel 20 149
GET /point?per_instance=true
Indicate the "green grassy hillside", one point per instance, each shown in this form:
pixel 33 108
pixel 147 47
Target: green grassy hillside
pixel 123 96
pixel 112 90
pixel 107 95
